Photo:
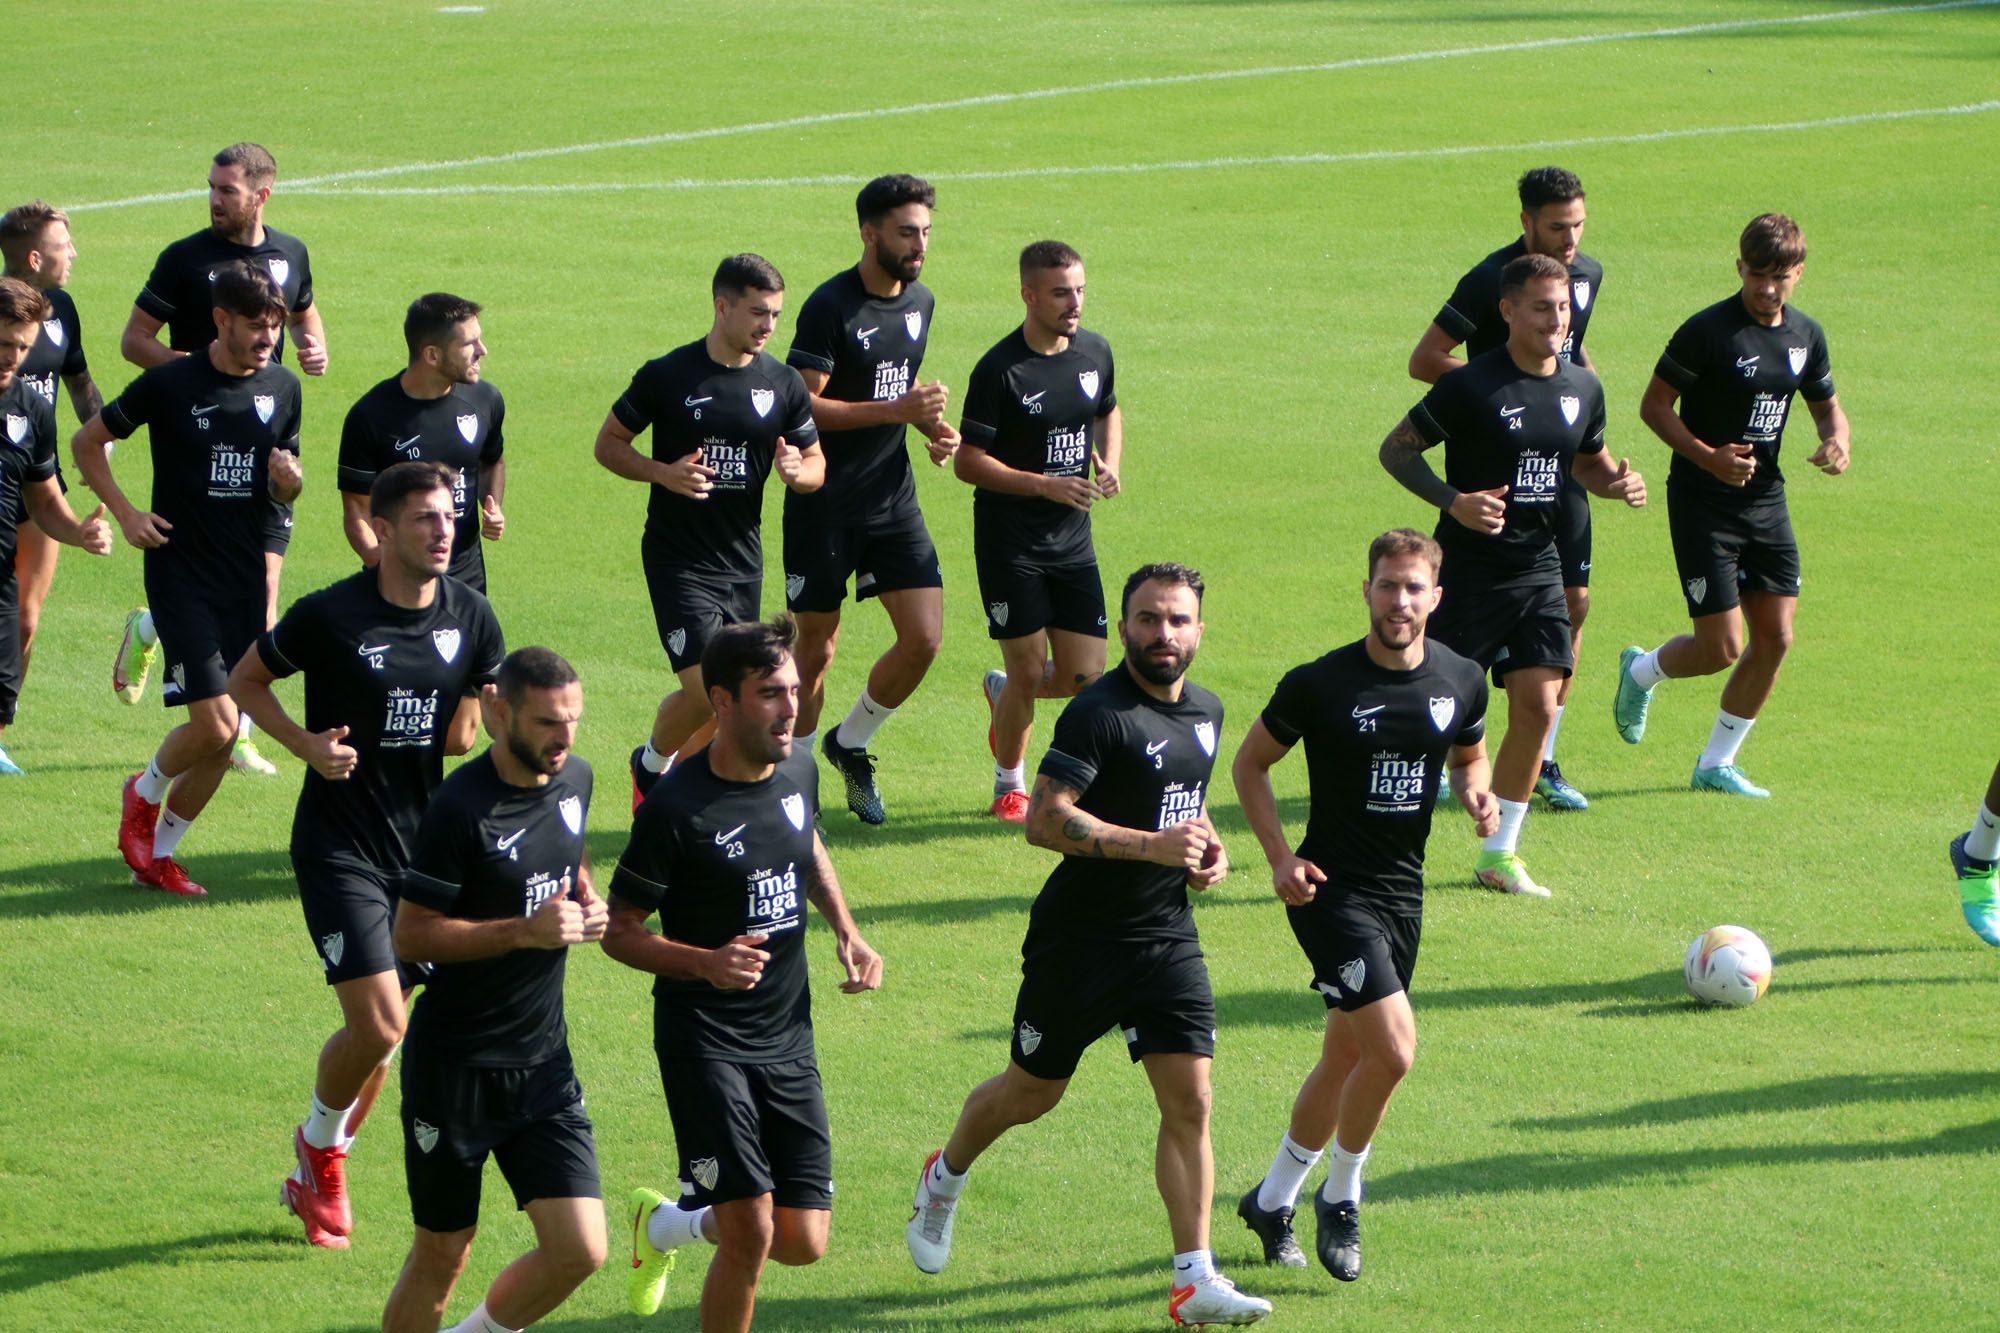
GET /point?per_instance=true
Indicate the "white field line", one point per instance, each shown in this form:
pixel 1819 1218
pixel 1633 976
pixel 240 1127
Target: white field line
pixel 1036 94
pixel 1183 164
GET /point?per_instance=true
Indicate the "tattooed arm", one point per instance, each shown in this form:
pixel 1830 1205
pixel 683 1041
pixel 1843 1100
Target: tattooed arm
pixel 1402 456
pixel 1056 822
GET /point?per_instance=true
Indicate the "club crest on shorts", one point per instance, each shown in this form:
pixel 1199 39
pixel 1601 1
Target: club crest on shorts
pixel 1031 1040
pixel 1204 735
pixel 54 328
pixel 1088 379
pixel 761 399
pixel 1352 974
pixel 704 1172
pixel 794 807
pixel 1571 405
pixel 1797 356
pixel 265 404
pixel 331 947
pixel 1697 590
pixel 446 643
pixel 1579 293
pixel 677 642
pixel 572 813
pixel 17 427
pixel 426 1133
pixel 468 426
pixel 280 269
pixel 997 613
pixel 913 320
pixel 794 585
pixel 1443 709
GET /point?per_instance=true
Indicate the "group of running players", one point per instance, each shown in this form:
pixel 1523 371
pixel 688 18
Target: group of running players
pixel 475 885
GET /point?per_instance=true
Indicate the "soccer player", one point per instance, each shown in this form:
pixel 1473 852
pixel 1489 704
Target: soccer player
pixel 1041 412
pixel 36 247
pixel 387 654
pixel 28 482
pixel 725 414
pixel 498 889
pixel 1552 218
pixel 859 345
pixel 1514 422
pixel 437 408
pixel 1382 719
pixel 1123 795
pixel 1733 369
pixel 176 298
pixel 1975 856
pixel 224 430
pixel 727 850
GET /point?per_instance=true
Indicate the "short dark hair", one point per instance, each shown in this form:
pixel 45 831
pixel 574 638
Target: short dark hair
pixel 1170 572
pixel 885 194
pixel 21 303
pixel 740 273
pixel 1405 541
pixel 259 167
pixel 246 289
pixel 395 484
pixel 755 648
pixel 1524 269
pixel 1548 185
pixel 533 668
pixel 432 317
pixel 1772 243
pixel 22 227
pixel 1046 255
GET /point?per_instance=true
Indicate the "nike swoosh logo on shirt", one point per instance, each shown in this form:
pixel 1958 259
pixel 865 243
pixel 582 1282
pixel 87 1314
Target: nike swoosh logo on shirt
pixel 504 843
pixel 863 333
pixel 1156 747
pixel 721 838
pixel 1512 411
pixel 697 402
pixel 368 648
pixel 1364 712
pixel 1031 397
pixel 203 411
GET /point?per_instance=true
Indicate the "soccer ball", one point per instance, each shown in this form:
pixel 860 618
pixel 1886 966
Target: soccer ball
pixel 1728 966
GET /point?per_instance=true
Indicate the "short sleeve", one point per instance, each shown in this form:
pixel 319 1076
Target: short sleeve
pixel 73 358
pixel 134 407
pixel 817 336
pixel 491 649
pixel 635 408
pixel 495 446
pixel 1681 364
pixel 296 642
pixel 979 422
pixel 359 461
pixel 1107 393
pixel 304 303
pixel 1473 728
pixel 439 862
pixel 287 437
pixel 1593 435
pixel 1816 380
pixel 1441 413
pixel 803 433
pixel 1290 711
pixel 643 872
pixel 1459 315
pixel 1078 747
pixel 157 298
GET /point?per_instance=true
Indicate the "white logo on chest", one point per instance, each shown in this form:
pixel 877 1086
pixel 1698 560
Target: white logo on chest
pixel 280 269
pixel 1204 735
pixel 1797 356
pixel 1579 294
pixel 913 320
pixel 17 428
pixel 446 642
pixel 1443 709
pixel 761 400
pixel 1571 405
pixel 794 807
pixel 572 813
pixel 265 404
pixel 54 328
pixel 1087 379
pixel 468 426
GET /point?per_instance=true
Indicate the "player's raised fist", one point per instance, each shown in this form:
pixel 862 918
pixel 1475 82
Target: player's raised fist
pixel 329 758
pixel 739 964
pixel 96 532
pixel 1628 485
pixel 942 445
pixel 1733 463
pixel 1076 492
pixel 1107 476
pixel 312 354
pixel 285 473
pixel 1296 880
pixel 556 923
pixel 923 404
pixel 1482 511
pixel 492 523
pixel 690 476
pixel 788 462
pixel 1830 457
pixel 1183 844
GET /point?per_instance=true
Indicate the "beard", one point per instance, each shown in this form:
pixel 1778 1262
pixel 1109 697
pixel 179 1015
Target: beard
pixel 1394 636
pixel 545 762
pixel 904 267
pixel 1158 670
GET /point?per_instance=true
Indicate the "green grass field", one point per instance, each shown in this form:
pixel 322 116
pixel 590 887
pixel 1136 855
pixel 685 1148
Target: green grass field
pixel 1272 199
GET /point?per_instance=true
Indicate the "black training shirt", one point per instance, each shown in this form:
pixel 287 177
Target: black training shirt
pixel 27 454
pixel 1472 315
pixel 462 430
pixel 179 292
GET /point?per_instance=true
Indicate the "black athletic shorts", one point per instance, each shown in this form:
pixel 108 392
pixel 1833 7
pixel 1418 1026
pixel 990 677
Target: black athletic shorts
pixel 1156 993
pixel 688 608
pixel 278 530
pixel 201 640
pixel 746 1130
pixel 1507 628
pixel 889 553
pixel 1573 534
pixel 350 909
pixel 531 1120
pixel 10 643
pixel 1722 552
pixel 1023 597
pixel 1361 950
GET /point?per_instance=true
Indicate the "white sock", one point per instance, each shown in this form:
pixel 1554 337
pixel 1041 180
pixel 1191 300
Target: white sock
pixel 1646 672
pixel 148 635
pixel 1549 745
pixel 324 1125
pixel 944 1182
pixel 1287 1175
pixel 167 833
pixel 244 726
pixel 1508 836
pixel 480 1322
pixel 1192 1266
pixel 1725 739
pixel 1010 779
pixel 1983 843
pixel 152 785
pixel 858 728
pixel 1343 1178
pixel 669 1226
pixel 652 760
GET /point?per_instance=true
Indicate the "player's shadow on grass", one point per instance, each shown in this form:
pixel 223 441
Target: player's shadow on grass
pixel 1552 1172
pixel 102 884
pixel 26 1269
pixel 1806 1094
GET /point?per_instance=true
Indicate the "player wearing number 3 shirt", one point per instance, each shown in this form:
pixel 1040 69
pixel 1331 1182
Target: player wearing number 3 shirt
pixel 1734 368
pixel 726 849
pixel 1515 423
pixel 1123 795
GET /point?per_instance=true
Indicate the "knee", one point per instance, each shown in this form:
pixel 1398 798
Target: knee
pixel 799 1244
pixel 1188 1108
pixel 1775 642
pixel 1723 652
pixel 815 657
pixel 744 1235
pixel 216 729
pixel 921 643
pixel 575 1261
pixel 1533 708
pixel 1025 677
pixel 376 1035
pixel 1394 1061
pixel 441 1255
pixel 1025 1103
